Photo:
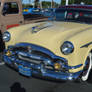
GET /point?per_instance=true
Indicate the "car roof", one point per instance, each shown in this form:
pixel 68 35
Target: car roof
pixel 88 7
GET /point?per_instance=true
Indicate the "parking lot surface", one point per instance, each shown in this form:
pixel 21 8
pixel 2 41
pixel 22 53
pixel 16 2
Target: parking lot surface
pixel 11 81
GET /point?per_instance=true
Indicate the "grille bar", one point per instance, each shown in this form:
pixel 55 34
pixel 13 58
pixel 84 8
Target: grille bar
pixel 33 58
pixel 29 60
pixel 29 55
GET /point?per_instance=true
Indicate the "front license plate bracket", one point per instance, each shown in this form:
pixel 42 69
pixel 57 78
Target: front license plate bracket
pixel 24 70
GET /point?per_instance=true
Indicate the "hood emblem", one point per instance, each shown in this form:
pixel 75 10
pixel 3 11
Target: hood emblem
pixel 39 27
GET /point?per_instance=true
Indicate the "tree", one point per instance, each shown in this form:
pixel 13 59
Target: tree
pixel 89 2
pixel 52 3
pixel 27 5
pixel 36 2
pixel 46 4
pixel 63 2
pixel 71 1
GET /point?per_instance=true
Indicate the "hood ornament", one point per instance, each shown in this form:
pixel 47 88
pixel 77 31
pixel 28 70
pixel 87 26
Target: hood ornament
pixel 39 27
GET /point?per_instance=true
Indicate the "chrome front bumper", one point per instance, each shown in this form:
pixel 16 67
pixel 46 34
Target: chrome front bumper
pixel 30 68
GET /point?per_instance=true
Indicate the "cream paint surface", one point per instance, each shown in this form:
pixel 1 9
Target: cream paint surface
pixel 52 38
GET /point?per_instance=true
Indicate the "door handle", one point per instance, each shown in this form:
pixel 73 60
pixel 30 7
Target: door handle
pixel 21 22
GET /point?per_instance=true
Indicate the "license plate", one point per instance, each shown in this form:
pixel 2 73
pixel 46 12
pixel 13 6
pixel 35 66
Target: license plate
pixel 24 70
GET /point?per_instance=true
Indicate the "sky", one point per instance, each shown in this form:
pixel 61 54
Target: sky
pixel 27 1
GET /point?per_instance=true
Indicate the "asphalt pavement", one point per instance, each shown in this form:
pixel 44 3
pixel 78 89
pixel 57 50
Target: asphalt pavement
pixel 11 81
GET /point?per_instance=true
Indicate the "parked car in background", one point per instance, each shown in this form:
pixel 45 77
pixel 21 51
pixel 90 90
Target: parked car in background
pixel 59 50
pixel 32 11
pixel 48 12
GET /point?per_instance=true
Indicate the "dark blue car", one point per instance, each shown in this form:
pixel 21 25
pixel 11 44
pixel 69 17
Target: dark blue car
pixel 48 12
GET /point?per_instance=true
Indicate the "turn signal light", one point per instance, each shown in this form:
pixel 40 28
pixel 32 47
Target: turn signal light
pixel 57 66
pixel 25 10
pixel 8 53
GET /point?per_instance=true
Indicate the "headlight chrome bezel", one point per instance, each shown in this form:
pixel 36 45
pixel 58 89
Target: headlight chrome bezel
pixel 67 48
pixel 6 36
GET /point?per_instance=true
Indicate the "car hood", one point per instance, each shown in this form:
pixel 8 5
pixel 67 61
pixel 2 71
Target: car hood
pixel 50 35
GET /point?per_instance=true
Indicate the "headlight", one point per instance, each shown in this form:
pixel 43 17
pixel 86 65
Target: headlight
pixel 67 48
pixel 6 36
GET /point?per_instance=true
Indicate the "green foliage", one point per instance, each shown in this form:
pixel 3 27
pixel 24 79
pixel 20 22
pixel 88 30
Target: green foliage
pixel 71 1
pixel 56 5
pixel 63 2
pixel 47 4
pixel 26 5
pixel 89 2
pixel 36 3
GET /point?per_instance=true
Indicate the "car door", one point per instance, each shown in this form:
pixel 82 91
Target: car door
pixel 11 14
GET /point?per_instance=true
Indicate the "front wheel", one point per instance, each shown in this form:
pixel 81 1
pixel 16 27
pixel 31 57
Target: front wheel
pixel 87 68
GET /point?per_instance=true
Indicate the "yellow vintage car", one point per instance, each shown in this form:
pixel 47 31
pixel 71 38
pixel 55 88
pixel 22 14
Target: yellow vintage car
pixel 59 49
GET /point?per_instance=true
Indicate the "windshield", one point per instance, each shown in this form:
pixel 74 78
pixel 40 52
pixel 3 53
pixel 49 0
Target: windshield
pixel 74 15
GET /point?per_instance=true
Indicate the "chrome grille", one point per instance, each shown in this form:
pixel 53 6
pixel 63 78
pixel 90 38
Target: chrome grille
pixel 34 54
pixel 29 59
pixel 35 57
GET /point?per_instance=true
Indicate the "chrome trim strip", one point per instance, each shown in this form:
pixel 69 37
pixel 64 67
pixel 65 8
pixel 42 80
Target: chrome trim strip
pixel 39 69
pixel 48 60
pixel 86 45
pixel 44 50
pixel 41 49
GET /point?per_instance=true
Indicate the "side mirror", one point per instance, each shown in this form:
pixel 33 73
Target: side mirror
pixel 5 9
pixel 3 13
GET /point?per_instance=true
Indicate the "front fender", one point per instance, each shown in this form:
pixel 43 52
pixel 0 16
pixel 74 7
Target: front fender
pixel 79 57
pixel 82 48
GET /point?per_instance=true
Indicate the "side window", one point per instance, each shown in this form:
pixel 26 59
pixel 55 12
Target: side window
pixel 10 8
